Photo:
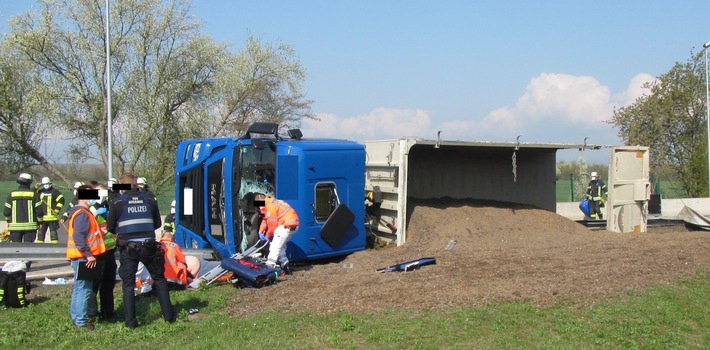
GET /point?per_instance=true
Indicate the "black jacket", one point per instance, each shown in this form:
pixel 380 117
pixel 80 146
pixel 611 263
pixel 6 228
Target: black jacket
pixel 22 209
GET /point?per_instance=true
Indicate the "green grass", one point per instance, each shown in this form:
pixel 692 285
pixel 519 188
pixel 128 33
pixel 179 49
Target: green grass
pixel 664 317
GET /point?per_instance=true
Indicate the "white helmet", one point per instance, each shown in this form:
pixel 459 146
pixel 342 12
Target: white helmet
pixel 595 175
pixel 172 207
pixel 172 204
pixel 111 181
pixel 78 184
pixel 46 181
pixel 141 181
pixel 24 178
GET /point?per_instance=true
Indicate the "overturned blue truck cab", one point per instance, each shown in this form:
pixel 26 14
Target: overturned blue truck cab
pixel 322 179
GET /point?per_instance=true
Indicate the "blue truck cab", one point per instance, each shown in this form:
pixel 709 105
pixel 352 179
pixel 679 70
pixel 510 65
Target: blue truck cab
pixel 322 179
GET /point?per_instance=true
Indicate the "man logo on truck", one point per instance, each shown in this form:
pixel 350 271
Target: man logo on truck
pixel 213 202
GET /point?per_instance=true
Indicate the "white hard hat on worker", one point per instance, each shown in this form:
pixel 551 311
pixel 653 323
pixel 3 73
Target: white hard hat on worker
pixel 46 183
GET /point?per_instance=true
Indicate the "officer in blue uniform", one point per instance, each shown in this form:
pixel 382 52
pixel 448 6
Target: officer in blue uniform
pixel 134 216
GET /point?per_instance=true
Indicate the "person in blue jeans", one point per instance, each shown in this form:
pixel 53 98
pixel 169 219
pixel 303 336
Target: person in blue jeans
pixel 84 243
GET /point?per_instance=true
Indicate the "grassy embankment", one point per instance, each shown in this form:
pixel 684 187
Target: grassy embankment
pixel 665 317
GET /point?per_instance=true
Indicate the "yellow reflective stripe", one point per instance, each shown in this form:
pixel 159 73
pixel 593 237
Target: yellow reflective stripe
pixel 22 194
pixel 22 226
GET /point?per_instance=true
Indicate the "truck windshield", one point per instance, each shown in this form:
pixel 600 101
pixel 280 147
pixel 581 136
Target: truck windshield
pixel 255 172
pixel 258 169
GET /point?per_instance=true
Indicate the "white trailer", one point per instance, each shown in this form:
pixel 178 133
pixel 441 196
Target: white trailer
pixel 411 168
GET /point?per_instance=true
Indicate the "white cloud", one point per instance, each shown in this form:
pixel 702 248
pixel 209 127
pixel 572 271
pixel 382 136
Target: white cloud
pixel 554 108
pixel 634 90
pixel 557 96
pixel 380 123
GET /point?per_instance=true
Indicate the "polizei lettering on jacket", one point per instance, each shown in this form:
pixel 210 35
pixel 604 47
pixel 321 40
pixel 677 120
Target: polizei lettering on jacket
pixel 138 209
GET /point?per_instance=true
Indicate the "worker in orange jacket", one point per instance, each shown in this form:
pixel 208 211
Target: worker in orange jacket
pixel 279 223
pixel 175 262
pixel 84 243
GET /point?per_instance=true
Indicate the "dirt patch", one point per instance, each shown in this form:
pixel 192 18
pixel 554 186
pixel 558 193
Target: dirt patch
pixel 503 253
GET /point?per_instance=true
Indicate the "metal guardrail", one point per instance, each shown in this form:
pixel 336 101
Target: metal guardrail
pixel 57 252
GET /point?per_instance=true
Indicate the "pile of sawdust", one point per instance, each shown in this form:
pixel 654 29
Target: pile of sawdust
pixel 503 252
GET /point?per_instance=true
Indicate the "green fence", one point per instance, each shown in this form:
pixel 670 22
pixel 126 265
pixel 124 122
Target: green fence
pixel 668 189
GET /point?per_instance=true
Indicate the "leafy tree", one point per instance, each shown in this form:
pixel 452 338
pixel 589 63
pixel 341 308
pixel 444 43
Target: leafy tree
pixel 671 120
pixel 261 83
pixel 169 81
pixel 23 115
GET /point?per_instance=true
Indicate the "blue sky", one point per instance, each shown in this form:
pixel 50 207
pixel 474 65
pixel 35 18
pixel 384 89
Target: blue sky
pixel 551 71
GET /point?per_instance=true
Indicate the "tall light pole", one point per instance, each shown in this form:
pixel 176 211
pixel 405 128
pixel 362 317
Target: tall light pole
pixel 109 124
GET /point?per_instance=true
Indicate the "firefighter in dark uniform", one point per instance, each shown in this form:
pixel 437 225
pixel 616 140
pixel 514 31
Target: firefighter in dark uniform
pixel 169 225
pixel 596 191
pixel 53 201
pixel 133 216
pixel 21 211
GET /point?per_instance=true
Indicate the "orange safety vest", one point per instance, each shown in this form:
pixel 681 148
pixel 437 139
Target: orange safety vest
pixel 175 266
pixel 94 239
pixel 277 213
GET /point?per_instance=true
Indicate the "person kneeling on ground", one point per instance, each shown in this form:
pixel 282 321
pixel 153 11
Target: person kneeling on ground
pixel 180 269
pixel 176 271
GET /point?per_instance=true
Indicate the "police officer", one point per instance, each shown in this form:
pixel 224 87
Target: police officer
pixel 134 216
pixel 21 211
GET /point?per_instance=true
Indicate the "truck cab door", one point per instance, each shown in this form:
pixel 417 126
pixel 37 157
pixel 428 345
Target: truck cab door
pixel 218 227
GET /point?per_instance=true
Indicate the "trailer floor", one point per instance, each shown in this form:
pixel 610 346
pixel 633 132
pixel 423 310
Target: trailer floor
pixel 503 252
